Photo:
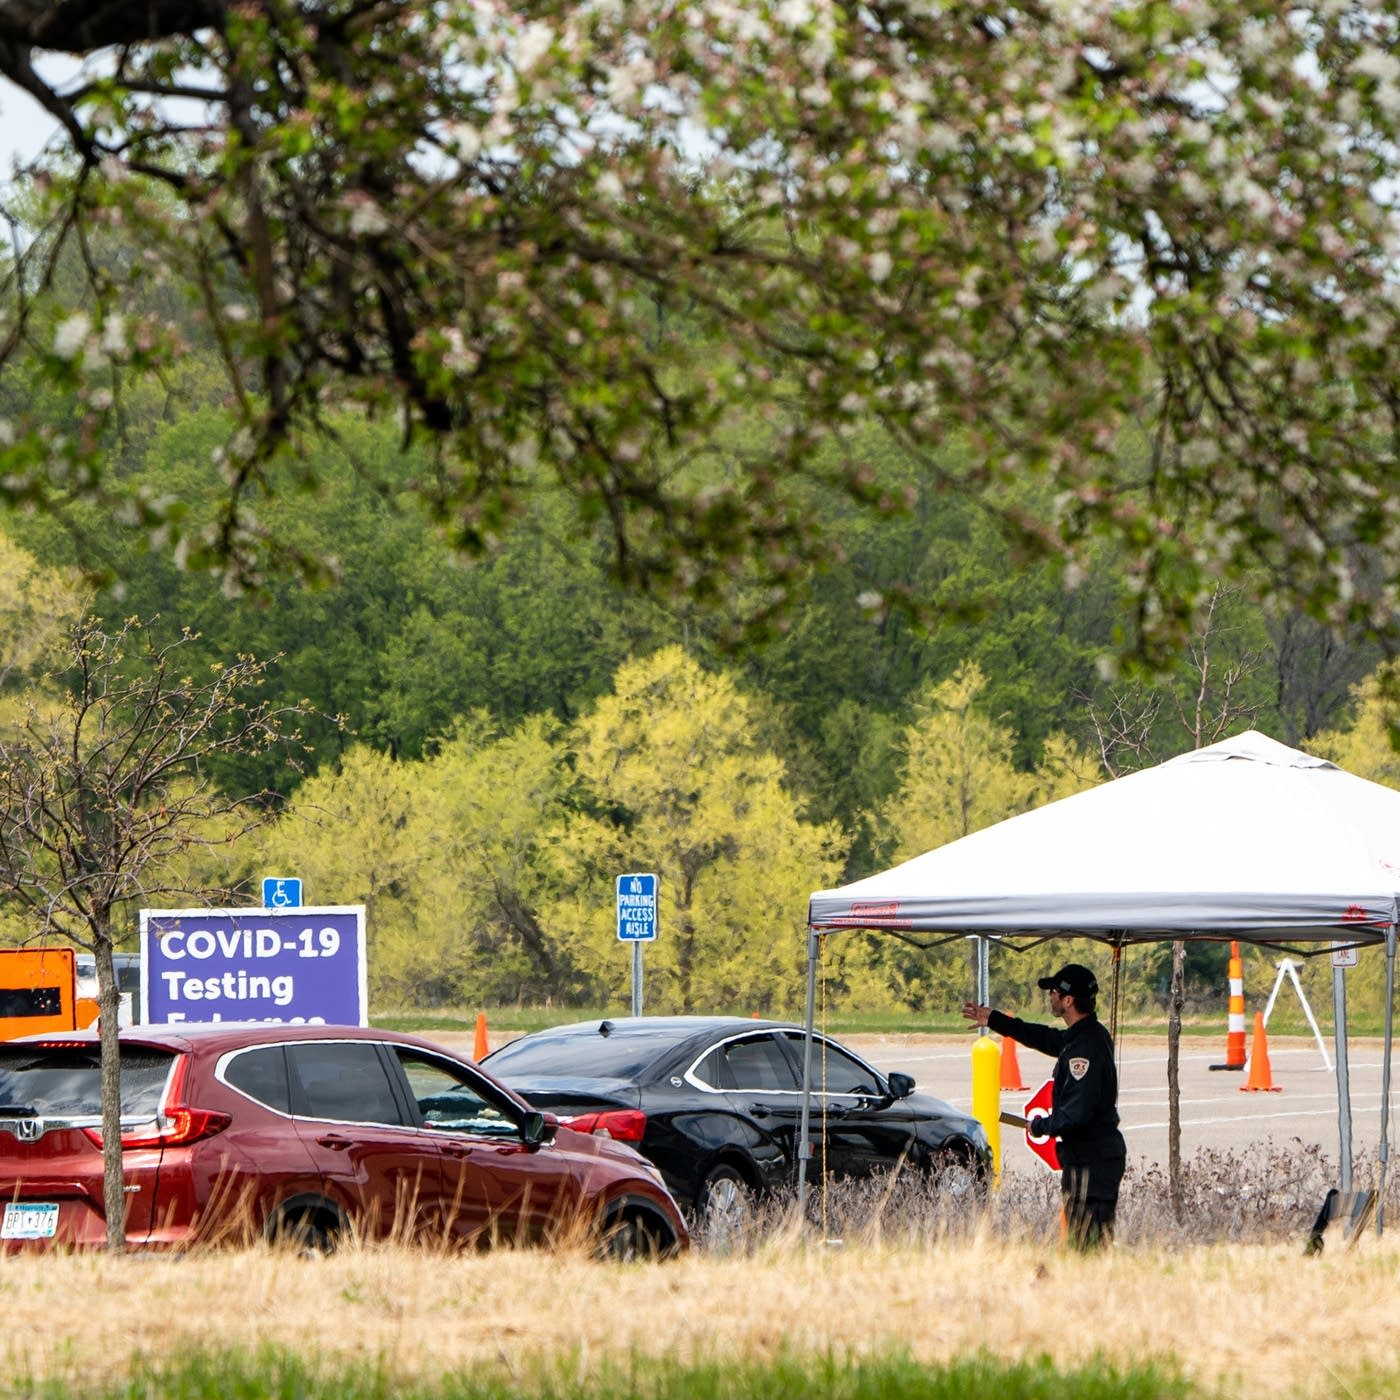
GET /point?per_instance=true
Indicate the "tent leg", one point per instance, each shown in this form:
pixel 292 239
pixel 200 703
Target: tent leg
pixel 1339 1023
pixel 804 1144
pixel 1385 1076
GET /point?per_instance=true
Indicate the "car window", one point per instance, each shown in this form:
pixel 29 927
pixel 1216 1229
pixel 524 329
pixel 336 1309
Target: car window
pixel 833 1070
pixel 261 1073
pixel 606 1055
pixel 21 1003
pixel 759 1063
pixel 343 1080
pixel 713 1071
pixel 38 1082
pixel 450 1101
pixel 126 966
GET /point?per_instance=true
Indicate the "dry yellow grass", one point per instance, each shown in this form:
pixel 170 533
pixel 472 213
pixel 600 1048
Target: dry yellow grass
pixel 1253 1319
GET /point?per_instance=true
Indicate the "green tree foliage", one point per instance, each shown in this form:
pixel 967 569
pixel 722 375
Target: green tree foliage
pixel 958 770
pixel 354 834
pixel 495 802
pixel 410 637
pixel 958 776
pixel 683 788
pixel 445 854
pixel 38 607
pixel 1366 748
pixel 487 868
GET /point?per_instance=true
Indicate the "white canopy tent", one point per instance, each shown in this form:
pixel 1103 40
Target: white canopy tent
pixel 1246 839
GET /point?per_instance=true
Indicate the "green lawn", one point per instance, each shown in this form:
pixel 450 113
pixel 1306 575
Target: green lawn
pixel 278 1375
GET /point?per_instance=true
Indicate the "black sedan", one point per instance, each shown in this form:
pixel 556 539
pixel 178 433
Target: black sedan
pixel 716 1103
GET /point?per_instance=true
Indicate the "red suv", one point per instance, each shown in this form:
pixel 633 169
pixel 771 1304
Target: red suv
pixel 235 1132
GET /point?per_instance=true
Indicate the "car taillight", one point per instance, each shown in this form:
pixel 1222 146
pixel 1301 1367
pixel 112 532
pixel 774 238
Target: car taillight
pixel 622 1124
pixel 177 1124
pixel 174 1128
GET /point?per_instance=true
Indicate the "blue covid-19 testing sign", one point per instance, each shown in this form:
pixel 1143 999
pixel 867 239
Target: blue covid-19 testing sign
pixel 636 908
pixel 291 966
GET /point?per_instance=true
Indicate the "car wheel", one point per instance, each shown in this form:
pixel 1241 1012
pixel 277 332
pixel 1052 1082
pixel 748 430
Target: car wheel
pixel 960 1174
pixel 725 1207
pixel 630 1235
pixel 307 1233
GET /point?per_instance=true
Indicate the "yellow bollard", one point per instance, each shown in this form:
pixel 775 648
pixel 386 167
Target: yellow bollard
pixel 986 1094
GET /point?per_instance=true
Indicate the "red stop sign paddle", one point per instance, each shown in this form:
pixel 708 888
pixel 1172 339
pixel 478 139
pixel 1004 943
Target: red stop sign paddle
pixel 1038 1105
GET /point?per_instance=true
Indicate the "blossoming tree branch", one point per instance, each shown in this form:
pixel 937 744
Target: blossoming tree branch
pixel 1122 269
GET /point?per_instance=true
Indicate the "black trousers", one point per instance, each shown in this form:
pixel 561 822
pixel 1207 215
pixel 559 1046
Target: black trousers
pixel 1090 1194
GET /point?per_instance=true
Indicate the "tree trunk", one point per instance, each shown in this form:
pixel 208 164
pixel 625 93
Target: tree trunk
pixel 1176 998
pixel 113 1185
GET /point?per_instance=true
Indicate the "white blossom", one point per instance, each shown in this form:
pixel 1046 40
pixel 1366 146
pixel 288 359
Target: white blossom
pixel 460 358
pixel 532 46
pixel 71 335
pixel 1378 64
pixel 464 140
pixel 114 335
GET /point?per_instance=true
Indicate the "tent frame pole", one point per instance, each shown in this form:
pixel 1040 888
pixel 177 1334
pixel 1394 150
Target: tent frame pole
pixel 1384 1155
pixel 1339 1040
pixel 804 1142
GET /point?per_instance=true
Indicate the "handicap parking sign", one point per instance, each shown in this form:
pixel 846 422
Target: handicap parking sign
pixel 281 893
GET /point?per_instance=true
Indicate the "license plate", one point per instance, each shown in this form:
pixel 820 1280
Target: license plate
pixel 29 1222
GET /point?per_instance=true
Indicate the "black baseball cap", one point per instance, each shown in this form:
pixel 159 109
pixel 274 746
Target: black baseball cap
pixel 1072 979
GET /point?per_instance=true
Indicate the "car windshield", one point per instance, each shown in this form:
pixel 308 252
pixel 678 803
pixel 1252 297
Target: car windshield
pixel 616 1056
pixel 66 1082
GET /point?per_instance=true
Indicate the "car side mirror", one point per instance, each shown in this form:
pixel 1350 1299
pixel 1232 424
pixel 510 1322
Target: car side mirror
pixel 537 1128
pixel 901 1085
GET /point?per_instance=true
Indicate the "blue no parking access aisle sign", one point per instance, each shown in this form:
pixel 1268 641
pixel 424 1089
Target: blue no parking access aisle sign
pixel 636 908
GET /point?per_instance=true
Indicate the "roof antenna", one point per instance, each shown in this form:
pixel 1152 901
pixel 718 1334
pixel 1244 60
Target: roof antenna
pixel 606 1028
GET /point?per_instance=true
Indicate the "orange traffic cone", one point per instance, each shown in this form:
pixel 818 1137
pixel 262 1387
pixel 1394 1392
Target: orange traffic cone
pixel 481 1048
pixel 1234 1032
pixel 1260 1077
pixel 1010 1068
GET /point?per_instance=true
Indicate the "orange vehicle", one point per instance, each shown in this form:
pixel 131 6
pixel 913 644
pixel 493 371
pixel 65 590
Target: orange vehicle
pixel 39 992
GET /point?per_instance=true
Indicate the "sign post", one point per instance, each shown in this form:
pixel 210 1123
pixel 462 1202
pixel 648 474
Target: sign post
pixel 636 923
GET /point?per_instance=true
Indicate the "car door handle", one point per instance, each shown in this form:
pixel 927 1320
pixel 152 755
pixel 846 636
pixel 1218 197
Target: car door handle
pixel 456 1149
pixel 334 1141
pixel 760 1110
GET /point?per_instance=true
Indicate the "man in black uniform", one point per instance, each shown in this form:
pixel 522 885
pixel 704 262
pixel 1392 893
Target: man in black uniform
pixel 1084 1101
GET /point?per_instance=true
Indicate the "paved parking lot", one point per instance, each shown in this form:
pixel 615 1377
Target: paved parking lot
pixel 1215 1112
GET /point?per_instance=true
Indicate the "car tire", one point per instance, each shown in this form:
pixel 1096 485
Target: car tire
pixel 306 1233
pixel 724 1207
pixel 960 1174
pixel 631 1234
